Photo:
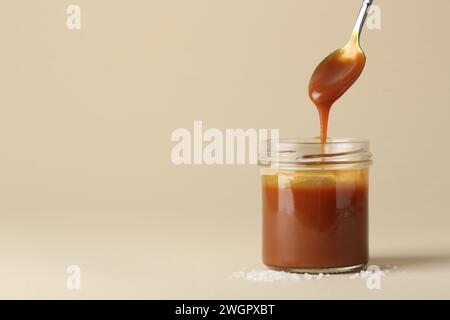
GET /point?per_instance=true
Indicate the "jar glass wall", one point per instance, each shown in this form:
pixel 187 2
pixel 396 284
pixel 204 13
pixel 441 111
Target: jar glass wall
pixel 315 205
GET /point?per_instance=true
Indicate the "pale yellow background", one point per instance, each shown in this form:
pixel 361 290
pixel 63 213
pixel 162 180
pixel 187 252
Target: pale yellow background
pixel 85 124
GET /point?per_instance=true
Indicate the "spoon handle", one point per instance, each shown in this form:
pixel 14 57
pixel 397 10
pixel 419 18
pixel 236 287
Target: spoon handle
pixel 362 16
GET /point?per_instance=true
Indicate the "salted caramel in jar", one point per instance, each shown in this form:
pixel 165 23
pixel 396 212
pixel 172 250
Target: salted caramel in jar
pixel 315 205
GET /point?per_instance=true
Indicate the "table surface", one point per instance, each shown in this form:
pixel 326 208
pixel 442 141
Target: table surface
pixel 143 258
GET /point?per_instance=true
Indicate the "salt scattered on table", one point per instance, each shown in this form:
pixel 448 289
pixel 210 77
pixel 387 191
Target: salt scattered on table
pixel 272 275
pixel 383 271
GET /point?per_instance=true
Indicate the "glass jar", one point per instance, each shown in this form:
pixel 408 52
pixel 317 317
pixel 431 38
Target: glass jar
pixel 315 205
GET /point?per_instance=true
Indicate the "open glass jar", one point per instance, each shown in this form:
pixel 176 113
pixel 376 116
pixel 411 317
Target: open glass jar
pixel 315 205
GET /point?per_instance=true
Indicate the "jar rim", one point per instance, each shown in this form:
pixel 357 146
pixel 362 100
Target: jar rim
pixel 341 153
pixel 317 140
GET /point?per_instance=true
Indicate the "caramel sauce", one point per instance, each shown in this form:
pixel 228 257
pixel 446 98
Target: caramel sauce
pixel 333 77
pixel 315 220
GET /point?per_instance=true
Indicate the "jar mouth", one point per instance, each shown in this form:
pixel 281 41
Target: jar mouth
pixel 311 153
pixel 317 141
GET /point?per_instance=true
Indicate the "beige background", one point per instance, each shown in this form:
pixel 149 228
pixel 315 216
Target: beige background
pixel 85 124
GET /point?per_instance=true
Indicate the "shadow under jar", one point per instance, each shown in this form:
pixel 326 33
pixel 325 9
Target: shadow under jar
pixel 315 205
